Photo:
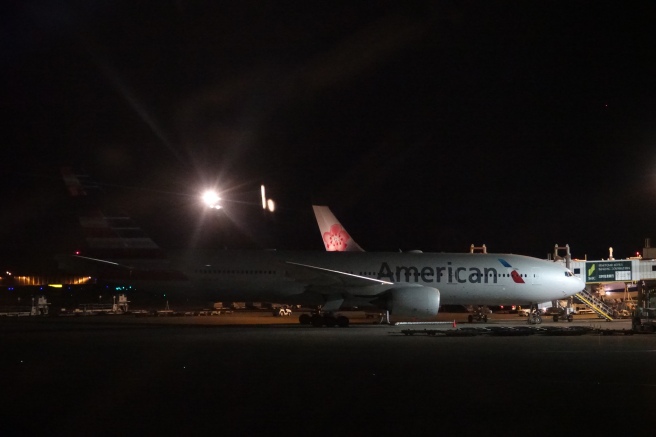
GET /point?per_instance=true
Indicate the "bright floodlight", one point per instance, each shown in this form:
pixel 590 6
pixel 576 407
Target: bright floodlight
pixel 211 199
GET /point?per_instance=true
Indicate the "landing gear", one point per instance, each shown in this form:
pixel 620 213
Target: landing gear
pixel 385 318
pixel 319 318
pixel 480 315
pixel 534 317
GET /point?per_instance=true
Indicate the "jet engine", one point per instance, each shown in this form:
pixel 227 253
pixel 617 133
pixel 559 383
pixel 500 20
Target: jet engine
pixel 412 301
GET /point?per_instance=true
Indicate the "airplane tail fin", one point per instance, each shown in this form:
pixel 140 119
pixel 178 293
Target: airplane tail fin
pixel 334 236
pixel 113 237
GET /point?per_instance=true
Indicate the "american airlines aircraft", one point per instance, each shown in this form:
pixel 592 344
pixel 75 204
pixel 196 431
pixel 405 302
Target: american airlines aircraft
pixel 458 289
pixel 410 286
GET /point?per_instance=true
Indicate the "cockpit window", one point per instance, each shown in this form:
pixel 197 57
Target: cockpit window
pixel 568 273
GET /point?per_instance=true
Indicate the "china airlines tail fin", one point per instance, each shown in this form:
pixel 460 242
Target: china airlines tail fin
pixel 334 236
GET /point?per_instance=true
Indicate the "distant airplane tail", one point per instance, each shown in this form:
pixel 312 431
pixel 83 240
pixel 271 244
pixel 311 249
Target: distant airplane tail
pixel 112 237
pixel 334 236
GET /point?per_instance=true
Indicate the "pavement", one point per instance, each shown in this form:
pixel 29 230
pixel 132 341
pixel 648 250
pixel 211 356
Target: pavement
pixel 125 375
pixel 263 317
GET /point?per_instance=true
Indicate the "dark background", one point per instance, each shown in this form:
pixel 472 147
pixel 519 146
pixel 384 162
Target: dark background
pixel 423 125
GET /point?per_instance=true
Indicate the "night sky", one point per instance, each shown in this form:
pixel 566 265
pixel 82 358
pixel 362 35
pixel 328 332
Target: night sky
pixel 423 125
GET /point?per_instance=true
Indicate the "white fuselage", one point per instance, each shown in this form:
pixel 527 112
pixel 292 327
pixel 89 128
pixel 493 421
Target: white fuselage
pixel 466 279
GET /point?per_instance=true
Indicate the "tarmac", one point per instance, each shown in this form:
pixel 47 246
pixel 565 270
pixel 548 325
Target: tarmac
pixel 255 374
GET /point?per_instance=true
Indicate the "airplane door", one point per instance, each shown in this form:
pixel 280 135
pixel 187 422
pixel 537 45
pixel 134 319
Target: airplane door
pixel 536 278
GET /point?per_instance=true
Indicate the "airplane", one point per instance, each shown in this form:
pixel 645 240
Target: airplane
pixel 336 238
pixel 407 286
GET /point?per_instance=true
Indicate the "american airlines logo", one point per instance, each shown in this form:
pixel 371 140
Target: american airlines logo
pixel 453 274
pixel 513 272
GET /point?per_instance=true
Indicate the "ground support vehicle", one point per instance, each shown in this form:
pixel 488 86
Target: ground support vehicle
pixel 644 320
pixel 644 314
pixel 282 311
pixel 563 314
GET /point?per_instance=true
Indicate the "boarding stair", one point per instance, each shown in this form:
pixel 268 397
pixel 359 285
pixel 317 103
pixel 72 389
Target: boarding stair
pixel 595 305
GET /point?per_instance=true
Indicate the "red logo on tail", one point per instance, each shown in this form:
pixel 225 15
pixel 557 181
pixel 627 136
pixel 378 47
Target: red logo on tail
pixel 336 240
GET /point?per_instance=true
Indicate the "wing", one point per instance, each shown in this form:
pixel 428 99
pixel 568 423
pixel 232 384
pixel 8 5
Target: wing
pixel 335 287
pixel 323 277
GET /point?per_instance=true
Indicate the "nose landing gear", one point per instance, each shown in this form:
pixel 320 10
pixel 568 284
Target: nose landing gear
pixel 534 317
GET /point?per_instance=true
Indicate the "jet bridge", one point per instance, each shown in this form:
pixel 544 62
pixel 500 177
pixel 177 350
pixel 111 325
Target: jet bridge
pixel 638 270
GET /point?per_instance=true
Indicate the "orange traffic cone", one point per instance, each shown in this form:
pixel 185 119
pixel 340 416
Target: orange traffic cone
pixel 454 323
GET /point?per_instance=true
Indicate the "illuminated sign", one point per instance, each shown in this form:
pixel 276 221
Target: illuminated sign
pixel 607 271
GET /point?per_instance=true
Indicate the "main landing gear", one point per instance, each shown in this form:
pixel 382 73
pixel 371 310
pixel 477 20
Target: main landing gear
pixel 319 318
pixel 480 315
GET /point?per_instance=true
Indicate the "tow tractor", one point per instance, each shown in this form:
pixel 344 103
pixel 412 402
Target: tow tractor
pixel 563 314
pixel 479 315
